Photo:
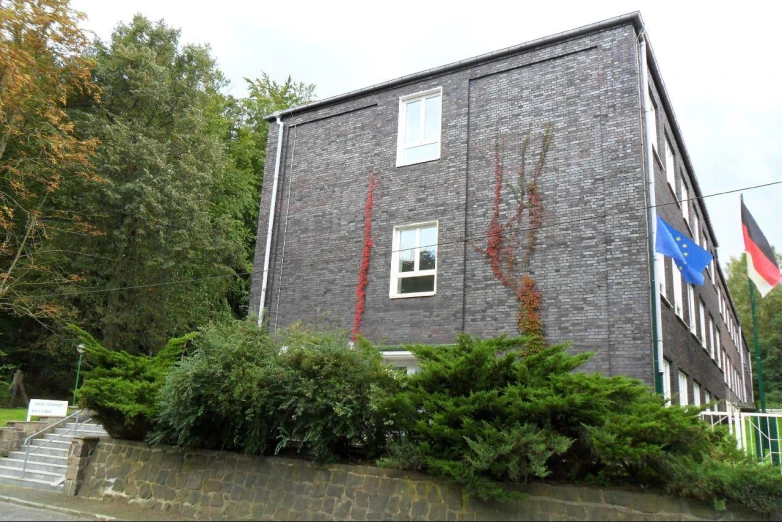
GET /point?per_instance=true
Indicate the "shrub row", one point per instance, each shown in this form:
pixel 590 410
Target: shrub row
pixel 482 413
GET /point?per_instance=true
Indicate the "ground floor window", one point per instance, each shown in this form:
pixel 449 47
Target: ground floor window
pixel 414 260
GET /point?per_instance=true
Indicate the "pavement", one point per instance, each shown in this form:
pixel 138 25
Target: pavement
pixel 78 507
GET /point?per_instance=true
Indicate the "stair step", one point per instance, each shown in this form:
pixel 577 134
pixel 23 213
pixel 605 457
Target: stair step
pixel 80 433
pixel 50 443
pixel 45 485
pixel 33 465
pixel 60 451
pixel 31 474
pixel 86 425
pixel 38 457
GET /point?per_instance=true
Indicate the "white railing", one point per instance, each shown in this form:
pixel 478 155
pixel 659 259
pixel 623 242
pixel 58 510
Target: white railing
pixel 757 434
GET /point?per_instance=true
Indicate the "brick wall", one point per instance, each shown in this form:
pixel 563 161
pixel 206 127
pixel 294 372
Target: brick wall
pixel 590 263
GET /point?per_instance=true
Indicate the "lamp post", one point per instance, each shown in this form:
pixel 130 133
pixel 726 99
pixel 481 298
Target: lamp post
pixel 80 349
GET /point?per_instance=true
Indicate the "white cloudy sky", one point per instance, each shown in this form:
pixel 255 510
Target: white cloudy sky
pixel 720 62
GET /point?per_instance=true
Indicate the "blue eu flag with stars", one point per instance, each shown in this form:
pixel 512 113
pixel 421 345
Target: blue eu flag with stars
pixel 687 255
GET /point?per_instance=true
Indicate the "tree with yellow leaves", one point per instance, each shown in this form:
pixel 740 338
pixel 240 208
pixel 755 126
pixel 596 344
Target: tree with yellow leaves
pixel 43 67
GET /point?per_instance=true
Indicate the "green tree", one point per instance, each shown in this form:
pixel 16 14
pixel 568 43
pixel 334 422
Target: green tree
pixel 245 133
pixel 769 312
pixel 169 247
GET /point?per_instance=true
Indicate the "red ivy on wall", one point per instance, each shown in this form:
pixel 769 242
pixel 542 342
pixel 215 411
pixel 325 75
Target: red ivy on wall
pixel 505 240
pixel 363 278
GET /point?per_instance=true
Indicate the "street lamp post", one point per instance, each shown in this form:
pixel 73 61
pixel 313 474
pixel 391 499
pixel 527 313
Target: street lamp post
pixel 79 349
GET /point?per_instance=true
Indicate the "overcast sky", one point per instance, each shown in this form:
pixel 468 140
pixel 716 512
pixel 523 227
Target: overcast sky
pixel 720 62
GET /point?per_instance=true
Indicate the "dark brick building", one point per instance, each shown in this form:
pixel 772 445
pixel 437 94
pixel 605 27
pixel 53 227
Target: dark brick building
pixel 432 141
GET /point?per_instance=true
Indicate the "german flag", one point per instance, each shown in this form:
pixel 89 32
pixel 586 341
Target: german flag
pixel 762 265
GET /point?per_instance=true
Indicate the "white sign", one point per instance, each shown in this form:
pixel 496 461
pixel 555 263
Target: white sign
pixel 47 408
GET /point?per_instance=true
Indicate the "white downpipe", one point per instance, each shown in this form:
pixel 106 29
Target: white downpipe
pixel 267 257
pixel 652 200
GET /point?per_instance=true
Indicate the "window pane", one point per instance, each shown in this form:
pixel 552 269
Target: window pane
pixel 422 153
pixel 413 285
pixel 413 123
pixel 432 122
pixel 428 251
pixel 407 250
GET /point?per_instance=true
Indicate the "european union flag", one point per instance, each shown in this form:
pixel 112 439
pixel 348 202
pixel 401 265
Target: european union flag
pixel 687 255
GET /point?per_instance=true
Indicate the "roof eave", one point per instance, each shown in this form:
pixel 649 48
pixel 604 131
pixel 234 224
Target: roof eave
pixel 634 18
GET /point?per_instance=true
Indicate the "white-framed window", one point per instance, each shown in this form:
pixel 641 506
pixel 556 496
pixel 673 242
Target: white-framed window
pixel 403 361
pixel 670 165
pixel 667 382
pixel 420 122
pixel 702 314
pixel 414 260
pixel 662 273
pixel 696 393
pixel 713 270
pixel 707 399
pixel 719 300
pixel 696 228
pixel 729 372
pixel 685 202
pixel 711 334
pixel 691 308
pixel 715 349
pixel 652 119
pixel 684 400
pixel 678 296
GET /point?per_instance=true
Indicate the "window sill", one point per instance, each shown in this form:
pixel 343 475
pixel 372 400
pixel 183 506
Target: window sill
pixel 666 301
pixel 405 296
pixel 657 157
pixel 401 164
pixel 673 192
pixel 681 320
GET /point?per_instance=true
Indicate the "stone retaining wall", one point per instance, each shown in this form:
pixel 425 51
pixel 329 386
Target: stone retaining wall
pixel 214 485
pixel 12 436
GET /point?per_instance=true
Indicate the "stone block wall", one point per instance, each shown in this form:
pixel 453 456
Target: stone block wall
pixel 12 436
pixel 79 455
pixel 214 485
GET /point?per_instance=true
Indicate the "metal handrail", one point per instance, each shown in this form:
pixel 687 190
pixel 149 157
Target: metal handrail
pixel 50 426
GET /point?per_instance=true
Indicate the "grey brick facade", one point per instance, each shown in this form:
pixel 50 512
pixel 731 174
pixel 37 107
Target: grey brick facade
pixel 592 259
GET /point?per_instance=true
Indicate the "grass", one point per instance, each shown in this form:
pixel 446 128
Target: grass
pixel 16 414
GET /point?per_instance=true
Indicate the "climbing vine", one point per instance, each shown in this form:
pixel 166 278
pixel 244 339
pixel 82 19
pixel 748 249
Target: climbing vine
pixel 363 278
pixel 510 244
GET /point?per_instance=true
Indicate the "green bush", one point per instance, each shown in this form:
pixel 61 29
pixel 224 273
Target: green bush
pixel 745 482
pixel 487 412
pixel 122 389
pixel 242 390
pixel 222 396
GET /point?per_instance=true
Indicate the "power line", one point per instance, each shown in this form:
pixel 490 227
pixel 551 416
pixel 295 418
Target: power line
pixel 321 259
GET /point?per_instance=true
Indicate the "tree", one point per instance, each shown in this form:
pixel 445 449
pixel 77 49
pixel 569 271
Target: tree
pixel 245 133
pixel 42 66
pixel 171 243
pixel 769 312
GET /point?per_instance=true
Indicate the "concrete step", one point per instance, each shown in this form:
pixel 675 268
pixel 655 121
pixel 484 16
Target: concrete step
pixel 59 451
pixel 90 425
pixel 51 443
pixel 41 475
pixel 45 485
pixel 43 459
pixel 34 465
pixel 82 432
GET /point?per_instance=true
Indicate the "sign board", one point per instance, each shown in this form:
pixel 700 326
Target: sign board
pixel 47 408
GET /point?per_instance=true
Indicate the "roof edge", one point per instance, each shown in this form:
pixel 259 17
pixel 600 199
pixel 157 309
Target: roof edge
pixel 633 17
